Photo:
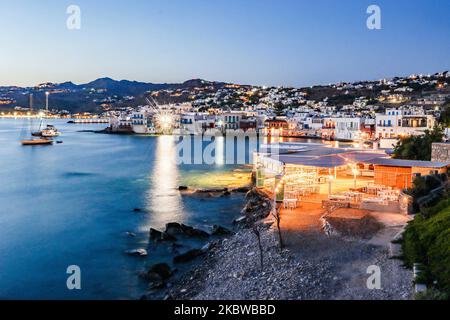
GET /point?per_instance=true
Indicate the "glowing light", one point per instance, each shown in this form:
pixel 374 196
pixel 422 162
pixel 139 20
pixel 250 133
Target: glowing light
pixel 164 122
pixel 163 199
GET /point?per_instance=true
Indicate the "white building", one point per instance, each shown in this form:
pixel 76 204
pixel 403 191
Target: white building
pixel 141 121
pixel 397 123
pixel 196 123
pixel 347 128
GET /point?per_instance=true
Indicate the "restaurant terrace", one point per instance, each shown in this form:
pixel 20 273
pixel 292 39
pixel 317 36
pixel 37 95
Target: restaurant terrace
pixel 367 179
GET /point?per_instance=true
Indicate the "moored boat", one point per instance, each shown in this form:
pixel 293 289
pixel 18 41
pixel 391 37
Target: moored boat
pixel 36 142
pixel 49 131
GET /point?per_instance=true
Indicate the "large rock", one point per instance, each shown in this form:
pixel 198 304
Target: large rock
pixel 173 229
pixel 221 231
pixel 192 232
pixel 162 269
pixel 155 280
pixel 156 235
pixel 188 256
pixel 137 252
pixel 226 194
pixel 157 275
pixel 242 189
pixel 168 237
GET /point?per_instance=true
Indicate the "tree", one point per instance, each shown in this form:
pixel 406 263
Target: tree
pixel 258 236
pixel 418 147
pixel 445 114
pixel 276 213
pixel 279 109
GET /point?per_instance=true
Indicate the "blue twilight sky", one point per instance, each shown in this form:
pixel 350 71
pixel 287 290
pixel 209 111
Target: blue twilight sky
pixel 265 42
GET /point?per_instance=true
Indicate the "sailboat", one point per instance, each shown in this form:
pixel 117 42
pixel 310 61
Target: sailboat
pixel 49 132
pixel 35 141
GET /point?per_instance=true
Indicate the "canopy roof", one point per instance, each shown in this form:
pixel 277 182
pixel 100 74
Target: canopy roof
pixel 409 163
pixel 322 156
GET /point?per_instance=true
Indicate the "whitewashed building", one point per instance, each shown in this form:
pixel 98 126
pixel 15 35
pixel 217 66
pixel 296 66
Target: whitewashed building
pixel 347 128
pixel 397 123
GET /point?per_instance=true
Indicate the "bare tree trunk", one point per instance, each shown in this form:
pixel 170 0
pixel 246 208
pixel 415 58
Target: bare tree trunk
pixel 277 216
pixel 258 236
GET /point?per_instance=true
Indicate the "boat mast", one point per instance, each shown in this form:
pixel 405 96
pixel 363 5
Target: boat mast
pixel 31 102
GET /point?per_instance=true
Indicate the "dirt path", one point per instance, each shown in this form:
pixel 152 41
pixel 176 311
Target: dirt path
pixel 348 259
pixel 314 266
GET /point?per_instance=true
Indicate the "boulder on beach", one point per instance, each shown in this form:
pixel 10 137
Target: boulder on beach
pixel 156 235
pixel 221 231
pixel 188 256
pixel 168 237
pixel 173 229
pixel 162 269
pixel 226 193
pixel 137 252
pixel 155 280
pixel 157 275
pixel 242 189
pixel 258 205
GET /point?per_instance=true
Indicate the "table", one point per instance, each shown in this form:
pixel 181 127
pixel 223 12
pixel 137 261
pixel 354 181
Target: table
pixel 290 203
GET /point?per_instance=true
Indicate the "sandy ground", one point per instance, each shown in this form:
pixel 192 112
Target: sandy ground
pixel 312 266
pixel 349 258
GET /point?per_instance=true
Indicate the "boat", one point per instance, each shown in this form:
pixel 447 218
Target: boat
pixel 49 132
pixel 36 142
pixel 45 134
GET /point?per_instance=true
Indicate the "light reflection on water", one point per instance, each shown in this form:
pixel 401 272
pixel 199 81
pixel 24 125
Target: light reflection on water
pixel 72 203
pixel 164 200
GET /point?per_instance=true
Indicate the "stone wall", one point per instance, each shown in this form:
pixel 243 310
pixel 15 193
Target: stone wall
pixel 440 152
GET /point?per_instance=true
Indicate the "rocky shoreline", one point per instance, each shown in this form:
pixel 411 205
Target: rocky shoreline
pixel 323 268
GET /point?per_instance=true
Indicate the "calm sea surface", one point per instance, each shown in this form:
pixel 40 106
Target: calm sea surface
pixel 73 204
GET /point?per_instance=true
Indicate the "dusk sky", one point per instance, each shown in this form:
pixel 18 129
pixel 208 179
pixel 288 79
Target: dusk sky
pixel 261 42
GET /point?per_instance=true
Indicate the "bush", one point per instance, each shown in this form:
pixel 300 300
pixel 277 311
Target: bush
pixel 421 191
pixel 432 294
pixel 418 147
pixel 427 241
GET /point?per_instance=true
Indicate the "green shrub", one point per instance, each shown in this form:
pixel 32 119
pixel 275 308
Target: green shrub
pixel 427 241
pixel 432 294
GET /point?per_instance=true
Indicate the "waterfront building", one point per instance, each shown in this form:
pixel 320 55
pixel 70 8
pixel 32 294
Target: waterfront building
pixel 344 177
pixel 196 123
pixel 347 128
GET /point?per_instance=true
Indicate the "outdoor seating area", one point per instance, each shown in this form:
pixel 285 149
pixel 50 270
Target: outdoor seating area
pixel 317 173
pixel 372 193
